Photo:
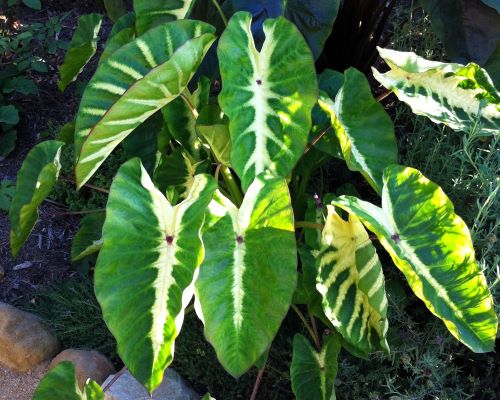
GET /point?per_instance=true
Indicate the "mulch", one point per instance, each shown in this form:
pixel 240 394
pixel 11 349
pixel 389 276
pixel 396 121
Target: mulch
pixel 45 257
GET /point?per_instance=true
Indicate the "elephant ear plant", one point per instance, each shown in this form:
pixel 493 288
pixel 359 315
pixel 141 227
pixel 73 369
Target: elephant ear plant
pixel 206 209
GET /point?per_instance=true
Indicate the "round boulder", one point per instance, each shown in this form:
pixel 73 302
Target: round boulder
pixel 25 341
pixel 88 364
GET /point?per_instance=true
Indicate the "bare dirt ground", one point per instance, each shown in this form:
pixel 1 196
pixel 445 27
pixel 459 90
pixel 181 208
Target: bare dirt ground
pixel 45 256
pixel 20 386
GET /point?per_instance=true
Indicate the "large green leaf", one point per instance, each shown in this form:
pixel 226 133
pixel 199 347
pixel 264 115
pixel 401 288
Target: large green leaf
pixel 469 29
pixel 150 13
pixel 35 180
pixel 352 284
pixel 60 384
pixel 88 239
pixel 314 19
pixel 461 97
pixel 132 84
pixel 365 131
pixel 248 277
pixel 268 98
pixel 431 245
pixel 313 374
pixel 82 48
pixel 147 265
pixel 115 9
pixel 493 66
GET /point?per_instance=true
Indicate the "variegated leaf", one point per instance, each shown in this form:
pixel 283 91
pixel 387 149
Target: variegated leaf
pixel 462 97
pixel 131 85
pixel 151 13
pixel 268 98
pixel 352 284
pixel 363 128
pixel 147 266
pixel 82 48
pixel 432 246
pixel 313 373
pixel 248 276
pixel 35 180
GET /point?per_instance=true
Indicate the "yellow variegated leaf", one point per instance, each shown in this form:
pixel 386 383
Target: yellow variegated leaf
pixel 351 281
pixel 460 96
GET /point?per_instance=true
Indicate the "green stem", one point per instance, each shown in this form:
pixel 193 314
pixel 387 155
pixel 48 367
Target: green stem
pixel 308 225
pixel 80 212
pixel 221 13
pixel 190 105
pixel 308 326
pixel 232 186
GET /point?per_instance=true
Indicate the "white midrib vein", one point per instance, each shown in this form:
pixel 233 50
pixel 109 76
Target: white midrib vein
pixel 241 220
pixel 260 101
pixel 171 218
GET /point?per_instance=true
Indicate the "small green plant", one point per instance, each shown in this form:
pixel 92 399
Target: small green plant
pixel 212 204
pixel 23 51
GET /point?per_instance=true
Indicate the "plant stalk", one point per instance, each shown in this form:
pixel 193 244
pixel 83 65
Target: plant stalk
pixel 315 338
pixel 221 13
pixel 88 185
pixel 308 225
pixel 58 214
pixel 258 381
pixel 232 186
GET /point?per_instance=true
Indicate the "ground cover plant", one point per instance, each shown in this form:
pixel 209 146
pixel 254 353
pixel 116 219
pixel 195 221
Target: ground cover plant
pixel 214 195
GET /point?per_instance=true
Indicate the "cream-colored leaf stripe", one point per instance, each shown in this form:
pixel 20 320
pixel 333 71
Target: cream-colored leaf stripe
pixel 269 100
pixel 145 279
pixel 245 284
pixel 132 84
pixel 440 266
pixel 351 282
pixel 150 13
pixel 462 97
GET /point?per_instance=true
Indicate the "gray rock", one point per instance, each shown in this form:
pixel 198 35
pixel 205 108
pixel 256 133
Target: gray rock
pixel 24 340
pixel 88 364
pixel 126 387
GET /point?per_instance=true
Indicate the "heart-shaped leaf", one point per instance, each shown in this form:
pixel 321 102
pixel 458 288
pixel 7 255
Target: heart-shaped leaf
pixel 147 265
pixel 432 246
pixel 248 277
pixel 313 373
pixel 268 98
pixel 468 29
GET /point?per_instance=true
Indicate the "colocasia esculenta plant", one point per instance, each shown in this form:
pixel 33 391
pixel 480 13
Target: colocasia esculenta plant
pixel 212 208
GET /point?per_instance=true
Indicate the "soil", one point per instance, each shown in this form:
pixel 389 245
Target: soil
pixel 20 386
pixel 46 253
